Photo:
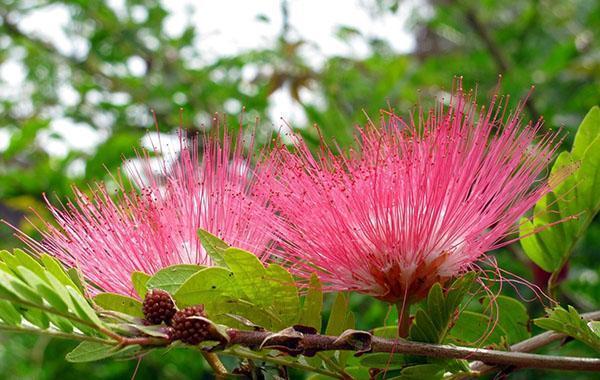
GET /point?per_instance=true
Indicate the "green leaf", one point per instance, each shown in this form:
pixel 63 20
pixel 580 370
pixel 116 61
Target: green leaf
pixel 423 329
pixel 139 280
pixel 313 304
pixel 157 331
pixel 63 324
pixel 383 360
pixel 48 288
pixel 571 323
pixel 61 290
pixel 170 278
pixel 54 298
pixel 285 299
pixel 534 248
pixel 350 324
pixel 389 332
pixel 435 314
pixel 595 327
pixel 205 287
pixel 83 308
pixel 213 245
pixel 475 329
pixel 93 351
pixel 19 289
pixel 421 371
pixel 511 316
pixel 77 278
pixel 457 291
pixel 120 303
pixel 37 318
pixel 44 291
pixel 566 198
pixel 588 176
pixel 437 307
pixel 9 314
pixel 575 197
pixel 224 309
pixel 30 263
pixel 56 269
pixel 588 131
pixel 356 372
pixel 9 259
pixel 338 318
pixel 250 275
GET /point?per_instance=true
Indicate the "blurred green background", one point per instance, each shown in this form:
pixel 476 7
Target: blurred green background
pixel 78 81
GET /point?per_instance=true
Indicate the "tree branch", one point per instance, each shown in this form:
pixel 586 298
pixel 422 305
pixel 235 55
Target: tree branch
pixel 532 344
pixel 295 343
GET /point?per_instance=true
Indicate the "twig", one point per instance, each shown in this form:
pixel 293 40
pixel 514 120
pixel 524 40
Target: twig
pixel 216 364
pixel 55 334
pixel 532 344
pixel 66 315
pixel 315 343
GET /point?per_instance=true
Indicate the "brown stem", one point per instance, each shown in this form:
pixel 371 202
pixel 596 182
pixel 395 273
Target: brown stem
pixel 143 341
pixel 534 343
pixel 315 343
pixel 216 364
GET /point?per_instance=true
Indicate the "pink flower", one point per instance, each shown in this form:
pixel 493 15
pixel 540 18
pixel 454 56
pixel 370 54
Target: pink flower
pixel 156 226
pixel 415 204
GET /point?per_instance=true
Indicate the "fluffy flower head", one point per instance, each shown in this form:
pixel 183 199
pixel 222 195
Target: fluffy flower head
pixel 155 225
pixel 416 203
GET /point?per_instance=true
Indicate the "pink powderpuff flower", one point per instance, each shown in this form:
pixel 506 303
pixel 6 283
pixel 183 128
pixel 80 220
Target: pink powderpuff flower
pixel 417 203
pixel 155 226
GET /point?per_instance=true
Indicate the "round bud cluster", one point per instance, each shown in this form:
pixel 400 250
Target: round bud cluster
pixel 158 307
pixel 188 329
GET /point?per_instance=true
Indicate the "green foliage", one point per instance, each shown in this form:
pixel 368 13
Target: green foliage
pixel 120 303
pixel 432 322
pixel 249 295
pixel 139 281
pixel 503 321
pixel 340 318
pixel 206 287
pixel 249 274
pixel 383 360
pixel 422 371
pixel 93 351
pixel 313 304
pixel 476 329
pixel 576 196
pixel 43 294
pixel 170 278
pixel 512 317
pixel 242 287
pixel 435 315
pixel 213 245
pixel 287 303
pixel 570 322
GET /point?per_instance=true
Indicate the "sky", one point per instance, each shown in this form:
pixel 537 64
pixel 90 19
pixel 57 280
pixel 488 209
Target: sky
pixel 225 27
